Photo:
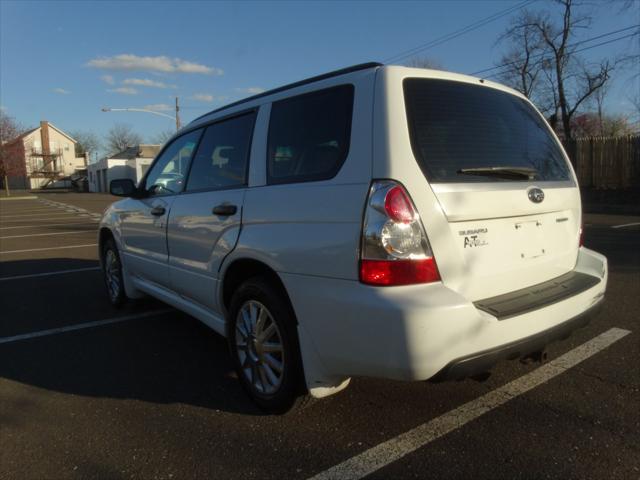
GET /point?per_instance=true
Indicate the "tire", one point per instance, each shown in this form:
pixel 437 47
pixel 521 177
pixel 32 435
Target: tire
pixel 264 347
pixel 112 274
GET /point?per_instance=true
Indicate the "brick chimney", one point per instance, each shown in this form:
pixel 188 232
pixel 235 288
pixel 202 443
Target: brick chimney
pixel 44 137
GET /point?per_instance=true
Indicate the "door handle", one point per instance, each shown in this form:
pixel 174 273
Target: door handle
pixel 157 211
pixel 224 210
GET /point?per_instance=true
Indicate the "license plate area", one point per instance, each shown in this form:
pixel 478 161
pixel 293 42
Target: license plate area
pixel 530 239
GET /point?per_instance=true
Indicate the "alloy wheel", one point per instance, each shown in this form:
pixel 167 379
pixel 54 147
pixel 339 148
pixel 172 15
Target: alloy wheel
pixel 112 273
pixel 259 347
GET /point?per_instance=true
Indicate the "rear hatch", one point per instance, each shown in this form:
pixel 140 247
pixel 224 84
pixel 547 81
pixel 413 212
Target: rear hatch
pixel 503 184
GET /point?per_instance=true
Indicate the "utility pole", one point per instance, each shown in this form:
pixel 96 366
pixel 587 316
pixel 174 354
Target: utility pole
pixel 177 115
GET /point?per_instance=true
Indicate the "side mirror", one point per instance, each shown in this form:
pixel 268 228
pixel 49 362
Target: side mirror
pixel 123 187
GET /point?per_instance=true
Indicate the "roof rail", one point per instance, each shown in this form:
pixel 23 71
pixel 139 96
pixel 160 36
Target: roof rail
pixel 317 78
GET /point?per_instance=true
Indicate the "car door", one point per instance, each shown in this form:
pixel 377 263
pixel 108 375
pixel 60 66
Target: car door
pixel 205 219
pixel 144 220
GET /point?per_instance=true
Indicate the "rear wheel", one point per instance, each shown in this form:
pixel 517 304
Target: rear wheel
pixel 264 346
pixel 112 274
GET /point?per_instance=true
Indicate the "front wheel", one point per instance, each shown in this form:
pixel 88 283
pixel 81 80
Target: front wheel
pixel 264 346
pixel 112 274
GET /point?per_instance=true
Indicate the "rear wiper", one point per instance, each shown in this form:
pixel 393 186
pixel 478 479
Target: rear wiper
pixel 507 172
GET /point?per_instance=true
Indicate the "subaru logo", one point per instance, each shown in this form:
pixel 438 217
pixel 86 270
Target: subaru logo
pixel 536 195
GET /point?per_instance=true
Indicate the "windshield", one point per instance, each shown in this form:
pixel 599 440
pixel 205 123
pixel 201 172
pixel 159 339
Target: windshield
pixel 456 127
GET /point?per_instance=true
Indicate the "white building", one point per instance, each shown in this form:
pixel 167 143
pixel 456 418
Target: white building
pixel 43 156
pixel 132 163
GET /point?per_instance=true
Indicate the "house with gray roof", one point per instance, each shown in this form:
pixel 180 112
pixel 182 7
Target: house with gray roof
pixel 132 162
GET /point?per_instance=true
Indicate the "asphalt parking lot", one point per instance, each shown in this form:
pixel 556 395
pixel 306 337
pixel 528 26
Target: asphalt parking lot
pixel 87 391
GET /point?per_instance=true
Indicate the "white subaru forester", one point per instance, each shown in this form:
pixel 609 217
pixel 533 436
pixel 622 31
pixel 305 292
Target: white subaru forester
pixel 378 220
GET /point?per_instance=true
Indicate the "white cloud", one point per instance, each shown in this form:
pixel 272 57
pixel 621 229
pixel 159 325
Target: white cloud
pixel 159 107
pixel 108 79
pixel 61 91
pixel 161 63
pixel 190 67
pixel 202 97
pixel 146 82
pixel 251 90
pixel 124 90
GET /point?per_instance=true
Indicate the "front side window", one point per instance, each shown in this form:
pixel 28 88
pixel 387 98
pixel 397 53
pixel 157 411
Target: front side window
pixel 222 158
pixel 462 132
pixel 168 173
pixel 309 135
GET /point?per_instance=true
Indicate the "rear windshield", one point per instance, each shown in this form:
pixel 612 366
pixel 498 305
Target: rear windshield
pixel 456 126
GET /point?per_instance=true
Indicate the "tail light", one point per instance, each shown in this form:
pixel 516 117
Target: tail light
pixel 395 249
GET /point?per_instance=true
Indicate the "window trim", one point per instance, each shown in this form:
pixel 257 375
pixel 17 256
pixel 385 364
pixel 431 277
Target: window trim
pixel 332 173
pixel 251 111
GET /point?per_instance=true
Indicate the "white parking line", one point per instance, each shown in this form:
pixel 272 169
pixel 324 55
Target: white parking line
pixel 626 225
pixel 80 326
pixel 88 222
pixel 387 452
pixel 48 248
pixel 47 234
pixel 48 274
pixel 56 216
pixel 39 214
pixel 31 210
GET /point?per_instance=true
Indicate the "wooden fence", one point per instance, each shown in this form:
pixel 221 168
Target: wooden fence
pixel 606 162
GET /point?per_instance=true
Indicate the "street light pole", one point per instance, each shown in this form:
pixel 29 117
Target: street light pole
pixel 145 110
pixel 177 115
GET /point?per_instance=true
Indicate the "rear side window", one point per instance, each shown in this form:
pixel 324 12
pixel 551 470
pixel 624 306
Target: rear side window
pixel 457 126
pixel 309 135
pixel 222 157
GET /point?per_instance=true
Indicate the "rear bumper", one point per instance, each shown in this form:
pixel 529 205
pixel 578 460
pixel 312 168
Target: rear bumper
pixel 422 331
pixel 482 362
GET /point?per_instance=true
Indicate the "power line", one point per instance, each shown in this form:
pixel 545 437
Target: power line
pixel 576 51
pixel 508 64
pixel 450 36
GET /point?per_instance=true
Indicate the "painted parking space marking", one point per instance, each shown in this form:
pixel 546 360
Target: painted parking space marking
pixel 57 216
pixel 48 274
pixel 22 215
pixel 86 222
pixel 48 248
pixel 635 224
pixel 29 210
pixel 81 326
pixel 394 449
pixel 74 232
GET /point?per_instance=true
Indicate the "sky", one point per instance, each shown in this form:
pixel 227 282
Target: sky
pixel 65 61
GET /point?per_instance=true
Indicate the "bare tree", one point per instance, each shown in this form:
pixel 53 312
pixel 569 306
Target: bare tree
pixel 522 66
pixel 424 62
pixel 635 101
pixel 569 82
pixel 120 137
pixel 9 130
pixel 598 99
pixel 88 142
pixel 162 137
pixel 592 124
